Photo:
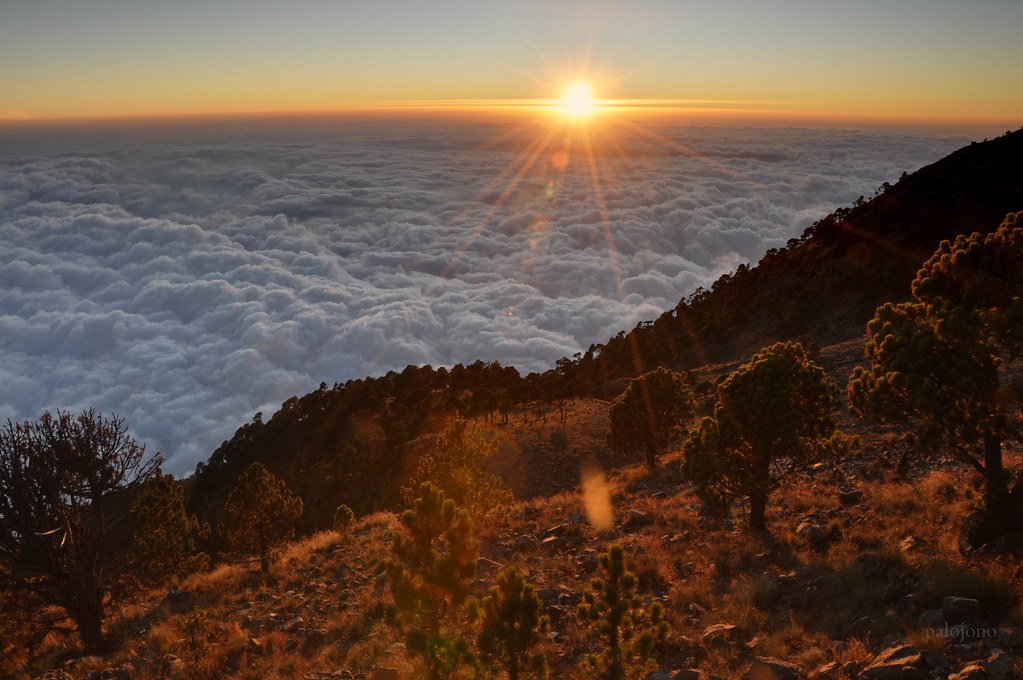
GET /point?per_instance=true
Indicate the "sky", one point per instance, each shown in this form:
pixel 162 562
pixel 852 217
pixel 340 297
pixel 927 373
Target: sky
pixel 210 206
pixel 906 61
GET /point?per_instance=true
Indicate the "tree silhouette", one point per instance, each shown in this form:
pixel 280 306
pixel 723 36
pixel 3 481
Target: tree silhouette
pixel 772 417
pixel 456 466
pixel 62 479
pixel 260 514
pixel 512 625
pixel 164 545
pixel 628 630
pixel 434 562
pixel 934 364
pixel 344 521
pixel 651 413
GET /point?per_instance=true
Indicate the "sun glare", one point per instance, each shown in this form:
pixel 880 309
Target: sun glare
pixel 577 101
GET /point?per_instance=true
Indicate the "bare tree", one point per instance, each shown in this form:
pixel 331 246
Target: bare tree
pixel 60 482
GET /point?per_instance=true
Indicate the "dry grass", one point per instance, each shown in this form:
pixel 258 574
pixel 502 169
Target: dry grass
pixel 810 605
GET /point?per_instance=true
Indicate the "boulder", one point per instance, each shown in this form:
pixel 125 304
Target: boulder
pixel 720 635
pixel 932 619
pixel 890 664
pixel 773 669
pixel 972 671
pixel 961 610
pixel 850 496
pixel 998 665
pixel 814 534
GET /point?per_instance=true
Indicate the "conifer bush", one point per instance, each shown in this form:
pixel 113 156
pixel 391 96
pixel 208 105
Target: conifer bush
pixel 433 565
pixel 344 521
pixel 512 626
pixel 456 467
pixel 164 545
pixel 652 413
pixel 773 417
pixel 628 630
pixel 260 514
pixel 935 365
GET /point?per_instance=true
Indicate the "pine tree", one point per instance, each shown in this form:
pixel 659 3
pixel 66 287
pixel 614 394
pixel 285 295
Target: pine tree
pixel 628 630
pixel 260 514
pixel 935 365
pixel 772 418
pixel 164 545
pixel 456 467
pixel 434 561
pixel 512 625
pixel 344 521
pixel 651 414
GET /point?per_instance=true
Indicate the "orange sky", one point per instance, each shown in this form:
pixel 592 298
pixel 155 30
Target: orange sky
pixel 936 62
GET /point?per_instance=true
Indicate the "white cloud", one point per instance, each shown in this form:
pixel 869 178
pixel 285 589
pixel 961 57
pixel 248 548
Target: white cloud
pixel 188 287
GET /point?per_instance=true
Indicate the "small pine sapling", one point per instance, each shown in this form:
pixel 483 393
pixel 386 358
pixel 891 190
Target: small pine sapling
pixel 164 545
pixel 434 562
pixel 628 630
pixel 344 521
pixel 260 514
pixel 512 626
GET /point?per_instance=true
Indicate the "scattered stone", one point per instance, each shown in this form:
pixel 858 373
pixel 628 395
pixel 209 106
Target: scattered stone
pixel 255 646
pixel 330 675
pixel 911 544
pixel 814 534
pixel 292 624
pixel 290 645
pixel 764 668
pixel 828 670
pixel 936 661
pixel 686 674
pixel 720 635
pixel 850 496
pixel 961 610
pixel 890 664
pixel 932 619
pixel 636 519
pixel 998 665
pixel 971 671
pixel 380 673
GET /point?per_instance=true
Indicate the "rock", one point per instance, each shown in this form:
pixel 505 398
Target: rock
pixel 292 624
pixel 255 646
pixel 814 534
pixel 936 661
pixel 890 664
pixel 971 671
pixel 850 496
pixel 686 674
pixel 961 610
pixel 773 669
pixel 998 665
pixel 381 673
pixel 1009 639
pixel 932 620
pixel 636 519
pixel 720 635
pixel 912 544
pixel 828 670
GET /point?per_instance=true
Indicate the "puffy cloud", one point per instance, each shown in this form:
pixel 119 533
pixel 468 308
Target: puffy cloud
pixel 187 287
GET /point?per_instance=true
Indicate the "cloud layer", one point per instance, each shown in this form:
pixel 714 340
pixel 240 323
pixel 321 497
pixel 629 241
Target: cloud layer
pixel 187 287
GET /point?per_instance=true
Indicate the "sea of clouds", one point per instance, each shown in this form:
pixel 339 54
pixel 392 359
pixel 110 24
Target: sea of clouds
pixel 187 286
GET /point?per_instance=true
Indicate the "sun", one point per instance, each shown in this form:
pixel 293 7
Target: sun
pixel 577 101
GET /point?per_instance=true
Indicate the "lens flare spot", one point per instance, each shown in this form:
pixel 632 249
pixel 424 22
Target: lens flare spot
pixel 596 497
pixel 559 160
